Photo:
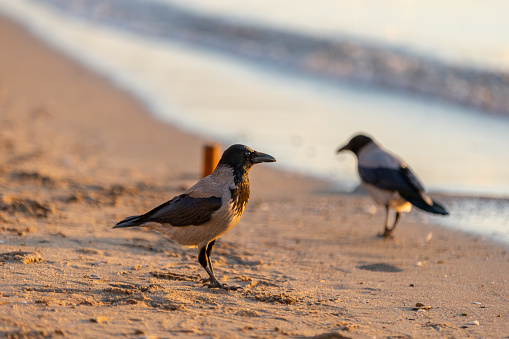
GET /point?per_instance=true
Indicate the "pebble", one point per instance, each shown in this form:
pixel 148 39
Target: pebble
pixel 99 320
pixel 428 237
pixel 421 307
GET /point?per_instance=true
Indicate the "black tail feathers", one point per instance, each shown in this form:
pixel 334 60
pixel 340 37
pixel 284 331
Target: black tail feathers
pixel 436 208
pixel 135 220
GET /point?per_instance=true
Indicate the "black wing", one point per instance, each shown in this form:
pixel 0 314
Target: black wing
pixel 183 210
pixel 404 182
pixel 401 180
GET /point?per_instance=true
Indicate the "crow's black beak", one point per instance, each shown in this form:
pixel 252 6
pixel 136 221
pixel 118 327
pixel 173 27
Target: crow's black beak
pixel 258 157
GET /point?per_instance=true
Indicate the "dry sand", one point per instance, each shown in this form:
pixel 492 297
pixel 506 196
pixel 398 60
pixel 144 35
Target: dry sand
pixel 78 154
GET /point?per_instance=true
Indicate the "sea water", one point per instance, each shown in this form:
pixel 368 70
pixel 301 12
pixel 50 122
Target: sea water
pixel 466 32
pixel 300 120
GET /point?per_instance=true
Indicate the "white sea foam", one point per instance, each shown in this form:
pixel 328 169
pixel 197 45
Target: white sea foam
pixel 467 32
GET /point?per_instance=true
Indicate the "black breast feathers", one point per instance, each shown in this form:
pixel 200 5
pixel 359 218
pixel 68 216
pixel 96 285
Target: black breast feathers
pixel 240 194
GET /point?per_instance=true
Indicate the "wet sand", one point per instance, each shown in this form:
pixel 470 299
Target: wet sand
pixel 77 155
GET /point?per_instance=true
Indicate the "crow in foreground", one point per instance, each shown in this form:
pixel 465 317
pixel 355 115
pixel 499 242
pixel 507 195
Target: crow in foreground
pixel 389 180
pixel 209 209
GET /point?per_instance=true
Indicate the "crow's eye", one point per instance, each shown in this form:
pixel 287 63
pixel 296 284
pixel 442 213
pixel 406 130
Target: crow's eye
pixel 247 154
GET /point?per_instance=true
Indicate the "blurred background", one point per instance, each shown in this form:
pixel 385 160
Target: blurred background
pixel 429 79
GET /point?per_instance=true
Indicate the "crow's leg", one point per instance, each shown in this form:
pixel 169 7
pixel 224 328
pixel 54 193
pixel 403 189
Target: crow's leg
pixel 209 251
pixel 388 233
pixel 205 262
pixel 398 215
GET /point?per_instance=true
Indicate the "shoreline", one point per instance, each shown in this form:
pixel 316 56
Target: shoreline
pixel 78 154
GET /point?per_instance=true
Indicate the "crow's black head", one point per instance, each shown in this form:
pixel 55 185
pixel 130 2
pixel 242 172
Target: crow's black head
pixel 243 157
pixel 356 144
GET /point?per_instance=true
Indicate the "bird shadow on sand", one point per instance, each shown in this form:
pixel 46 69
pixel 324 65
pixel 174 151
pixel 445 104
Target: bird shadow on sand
pixel 380 267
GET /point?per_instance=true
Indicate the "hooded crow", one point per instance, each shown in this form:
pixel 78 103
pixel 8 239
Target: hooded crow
pixel 389 180
pixel 209 209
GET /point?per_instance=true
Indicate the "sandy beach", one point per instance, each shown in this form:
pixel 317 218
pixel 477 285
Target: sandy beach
pixel 78 154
